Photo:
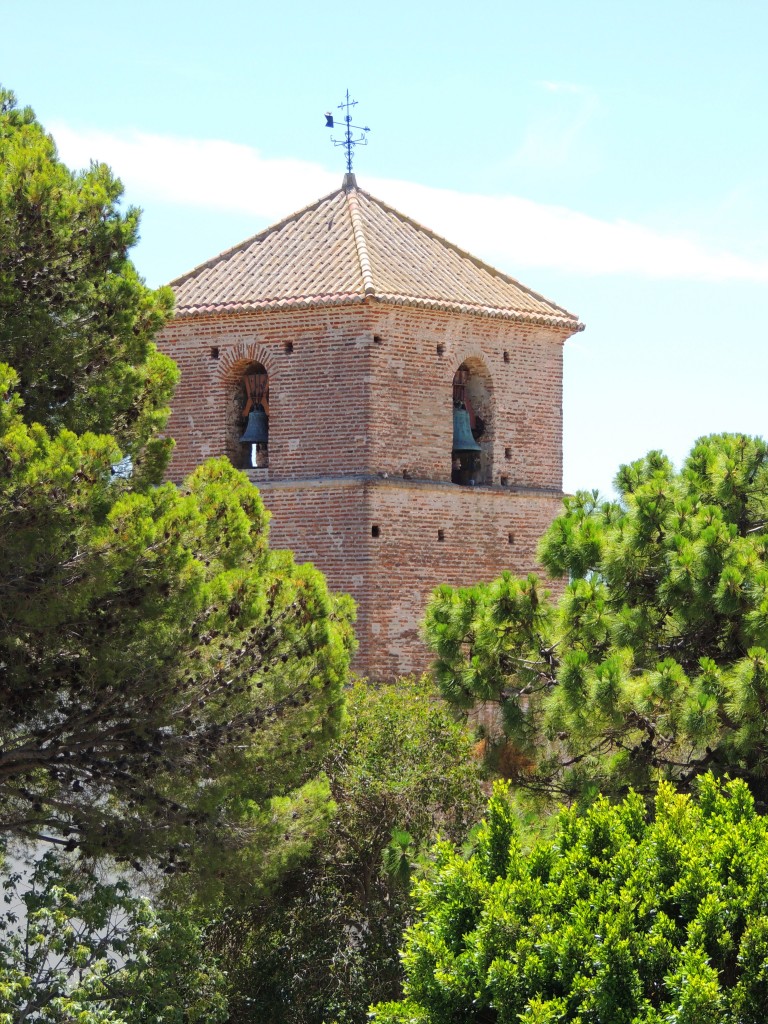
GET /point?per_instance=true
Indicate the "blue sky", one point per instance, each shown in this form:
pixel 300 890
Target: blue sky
pixel 611 155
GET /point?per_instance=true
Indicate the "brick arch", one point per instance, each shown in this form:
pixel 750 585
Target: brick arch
pixel 476 357
pixel 234 360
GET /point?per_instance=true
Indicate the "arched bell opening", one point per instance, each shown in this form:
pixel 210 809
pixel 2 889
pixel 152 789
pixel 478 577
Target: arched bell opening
pixel 249 418
pixel 472 449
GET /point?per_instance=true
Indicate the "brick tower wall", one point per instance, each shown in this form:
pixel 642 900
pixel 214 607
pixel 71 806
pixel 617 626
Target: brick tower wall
pixel 360 437
pixel 317 361
pixel 429 535
pixel 426 534
pixel 412 367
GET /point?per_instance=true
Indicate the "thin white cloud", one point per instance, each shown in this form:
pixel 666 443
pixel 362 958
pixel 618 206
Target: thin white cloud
pixel 507 230
pixel 554 136
pixel 572 87
pixel 198 172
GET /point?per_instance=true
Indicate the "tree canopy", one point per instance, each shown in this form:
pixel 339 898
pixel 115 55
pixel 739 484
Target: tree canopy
pixel 76 321
pixel 612 920
pixel 166 680
pixel 324 943
pixel 653 660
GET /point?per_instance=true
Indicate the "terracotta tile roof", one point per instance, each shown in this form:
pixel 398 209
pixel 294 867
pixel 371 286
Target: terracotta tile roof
pixel 349 247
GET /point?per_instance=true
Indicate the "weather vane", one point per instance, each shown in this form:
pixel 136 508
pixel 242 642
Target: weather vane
pixel 348 141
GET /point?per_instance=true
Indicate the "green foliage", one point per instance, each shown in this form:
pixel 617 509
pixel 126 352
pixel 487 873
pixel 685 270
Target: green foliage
pixel 613 920
pixel 325 943
pixel 653 661
pixel 74 948
pixel 157 662
pixel 76 321
pixel 167 683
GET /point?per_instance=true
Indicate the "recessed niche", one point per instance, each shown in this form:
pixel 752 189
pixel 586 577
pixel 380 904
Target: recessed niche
pixel 505 481
pixel 288 347
pixel 506 357
pixel 473 419
pixel 440 349
pixel 214 351
pixel 377 339
pixel 507 453
pixel 510 538
pixel 375 531
pixel 441 534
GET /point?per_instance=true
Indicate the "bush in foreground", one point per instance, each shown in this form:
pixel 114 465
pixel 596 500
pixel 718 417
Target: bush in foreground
pixel 613 920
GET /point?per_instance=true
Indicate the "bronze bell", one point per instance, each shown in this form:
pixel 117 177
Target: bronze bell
pixel 462 432
pixel 257 429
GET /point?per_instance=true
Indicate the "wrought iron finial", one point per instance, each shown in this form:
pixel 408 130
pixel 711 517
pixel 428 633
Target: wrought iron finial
pixel 348 142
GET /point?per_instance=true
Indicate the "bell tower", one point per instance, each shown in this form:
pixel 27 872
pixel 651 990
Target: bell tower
pixel 397 401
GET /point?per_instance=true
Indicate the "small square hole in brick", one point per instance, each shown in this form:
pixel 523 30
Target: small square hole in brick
pixel 507 453
pixel 375 531
pixel 505 481
pixel 441 534
pixel 441 349
pixel 214 352
pixel 288 347
pixel 506 357
pixel 510 538
pixel 377 339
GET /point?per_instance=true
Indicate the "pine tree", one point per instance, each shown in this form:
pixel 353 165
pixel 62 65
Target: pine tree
pixel 76 321
pixel 653 661
pixel 168 685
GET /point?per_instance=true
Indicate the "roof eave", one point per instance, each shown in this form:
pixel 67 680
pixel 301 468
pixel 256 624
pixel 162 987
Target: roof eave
pixel 569 323
pixel 267 305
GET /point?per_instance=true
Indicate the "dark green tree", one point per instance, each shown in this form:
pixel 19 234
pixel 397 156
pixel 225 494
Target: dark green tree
pixel 325 943
pixel 166 681
pixel 164 676
pixel 612 920
pixel 76 321
pixel 653 661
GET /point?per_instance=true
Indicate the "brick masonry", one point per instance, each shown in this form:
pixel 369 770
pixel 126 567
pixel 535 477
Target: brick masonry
pixel 360 437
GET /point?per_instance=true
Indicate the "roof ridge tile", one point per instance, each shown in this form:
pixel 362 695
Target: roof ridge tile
pixel 359 234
